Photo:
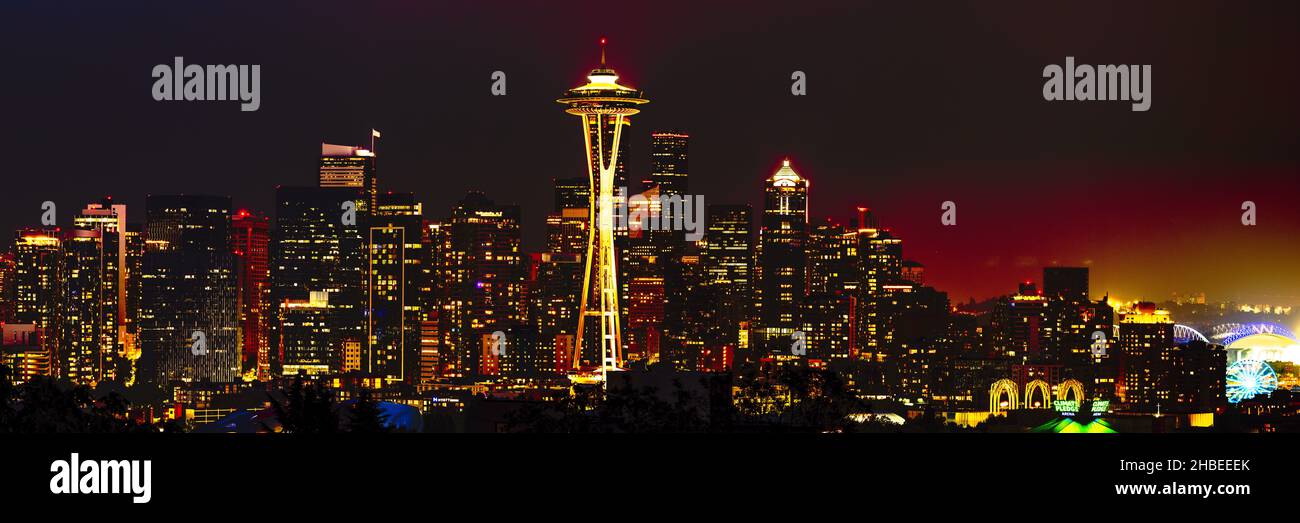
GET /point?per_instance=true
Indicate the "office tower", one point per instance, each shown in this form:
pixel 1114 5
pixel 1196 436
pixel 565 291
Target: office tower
pixel 832 259
pixel 668 162
pixel 1146 348
pixel 6 287
pixel 21 351
pixel 484 271
pixel 129 338
pixel 189 315
pixel 251 246
pixel 917 315
pixel 430 350
pixel 1066 282
pixel 881 255
pixel 316 248
pixel 554 306
pixel 645 318
pixel 572 193
pixel 1021 328
pixel 394 266
pixel 728 264
pixel 37 289
pixel 729 247
pixel 604 107
pixel 827 322
pixel 693 327
pixel 351 167
pixel 108 221
pixel 557 285
pixel 87 309
pixel 566 232
pixel 1196 378
pixel 434 300
pixel 305 337
pixel 783 261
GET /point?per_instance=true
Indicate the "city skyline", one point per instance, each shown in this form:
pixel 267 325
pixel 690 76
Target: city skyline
pixel 1085 193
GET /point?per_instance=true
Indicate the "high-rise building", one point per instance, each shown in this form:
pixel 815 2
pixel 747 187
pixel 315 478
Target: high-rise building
pixel 832 259
pixel 827 321
pixel 305 336
pixel 251 246
pixel 783 259
pixel 572 193
pixel 668 162
pixel 1066 282
pixel 484 272
pixel 189 317
pixel 351 167
pixel 605 108
pixel 87 309
pixel 317 247
pixel 1146 346
pixel 394 269
pixel 107 220
pixel 37 289
pixel 1021 326
pixel 729 268
pixel 21 350
pixel 881 255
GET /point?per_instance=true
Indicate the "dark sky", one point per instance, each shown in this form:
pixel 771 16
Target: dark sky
pixel 909 104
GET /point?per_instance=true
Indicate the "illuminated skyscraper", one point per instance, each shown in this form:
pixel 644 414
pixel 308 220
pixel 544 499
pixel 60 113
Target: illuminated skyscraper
pixel 189 291
pixel 484 271
pixel 668 162
pixel 305 336
pixel 604 107
pixel 349 166
pixel 251 245
pixel 728 265
pixel 37 260
pixel 87 309
pixel 1146 351
pixel 396 246
pixel 316 248
pixel 783 258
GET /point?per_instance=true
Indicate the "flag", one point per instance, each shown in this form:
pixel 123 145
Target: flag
pixel 374 133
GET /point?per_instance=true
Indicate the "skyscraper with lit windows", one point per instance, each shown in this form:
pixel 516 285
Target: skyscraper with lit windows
pixel 352 167
pixel 251 246
pixel 484 272
pixel 394 266
pixel 783 260
pixel 315 247
pixel 189 290
pixel 37 287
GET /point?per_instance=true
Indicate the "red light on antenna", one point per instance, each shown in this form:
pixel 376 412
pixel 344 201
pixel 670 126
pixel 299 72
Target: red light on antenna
pixel 602 40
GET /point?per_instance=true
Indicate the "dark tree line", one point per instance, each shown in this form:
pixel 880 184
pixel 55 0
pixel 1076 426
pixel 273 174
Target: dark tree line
pixel 45 405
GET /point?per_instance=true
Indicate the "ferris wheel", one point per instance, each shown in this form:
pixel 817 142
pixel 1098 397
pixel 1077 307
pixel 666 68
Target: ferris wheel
pixel 1249 378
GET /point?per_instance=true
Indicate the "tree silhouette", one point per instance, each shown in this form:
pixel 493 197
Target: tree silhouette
pixel 365 416
pixel 306 409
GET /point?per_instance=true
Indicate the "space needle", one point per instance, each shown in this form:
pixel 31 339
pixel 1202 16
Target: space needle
pixel 604 107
